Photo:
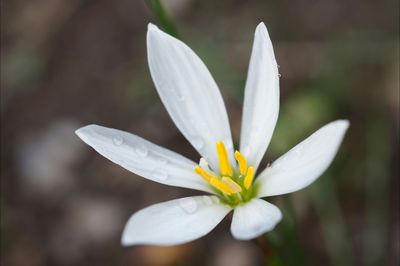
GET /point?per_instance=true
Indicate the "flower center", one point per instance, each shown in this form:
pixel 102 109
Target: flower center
pixel 233 184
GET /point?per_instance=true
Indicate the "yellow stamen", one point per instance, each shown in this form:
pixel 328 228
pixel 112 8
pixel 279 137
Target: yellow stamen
pixel 249 177
pixel 224 166
pixel 221 186
pixel 242 162
pixel 232 184
pixel 203 173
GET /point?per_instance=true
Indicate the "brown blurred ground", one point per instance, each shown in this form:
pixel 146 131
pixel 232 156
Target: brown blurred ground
pixel 66 64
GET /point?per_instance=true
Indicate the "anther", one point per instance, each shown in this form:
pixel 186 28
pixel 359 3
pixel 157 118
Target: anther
pixel 249 177
pixel 221 186
pixel 232 184
pixel 242 162
pixel 200 171
pixel 224 166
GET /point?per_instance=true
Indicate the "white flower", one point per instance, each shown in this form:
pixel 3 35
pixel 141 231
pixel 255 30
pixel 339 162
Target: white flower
pixel 194 103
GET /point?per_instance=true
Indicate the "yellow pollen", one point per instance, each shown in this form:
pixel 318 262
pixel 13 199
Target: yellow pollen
pixel 249 177
pixel 221 186
pixel 242 162
pixel 232 184
pixel 224 166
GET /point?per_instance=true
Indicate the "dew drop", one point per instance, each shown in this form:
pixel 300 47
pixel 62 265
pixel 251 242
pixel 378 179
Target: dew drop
pixel 276 165
pixel 198 143
pixel 297 151
pixel 118 140
pixel 279 75
pixel 181 97
pixel 188 205
pixel 141 150
pixel 215 200
pixel 162 161
pixel 160 174
pixel 207 200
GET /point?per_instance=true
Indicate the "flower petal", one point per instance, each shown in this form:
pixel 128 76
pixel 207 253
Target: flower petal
pixel 174 222
pixel 254 218
pixel 189 94
pixel 303 164
pixel 261 99
pixel 143 157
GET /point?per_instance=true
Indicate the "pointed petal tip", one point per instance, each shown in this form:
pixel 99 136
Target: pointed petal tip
pixel 342 123
pixel 81 132
pixel 317 153
pixel 261 25
pixel 151 26
pixel 154 34
pixel 261 28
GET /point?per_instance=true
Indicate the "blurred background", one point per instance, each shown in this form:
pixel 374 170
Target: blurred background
pixel 69 63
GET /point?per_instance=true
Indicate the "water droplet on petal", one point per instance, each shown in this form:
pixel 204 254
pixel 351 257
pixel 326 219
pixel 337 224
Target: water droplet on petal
pixel 160 174
pixel 141 150
pixel 162 161
pixel 215 200
pixel 188 205
pixel 118 140
pixel 279 75
pixel 198 143
pixel 276 165
pixel 179 95
pixel 297 151
pixel 207 200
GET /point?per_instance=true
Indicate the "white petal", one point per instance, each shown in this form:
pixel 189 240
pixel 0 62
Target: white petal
pixel 254 218
pixel 303 164
pixel 261 99
pixel 174 222
pixel 189 94
pixel 143 157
